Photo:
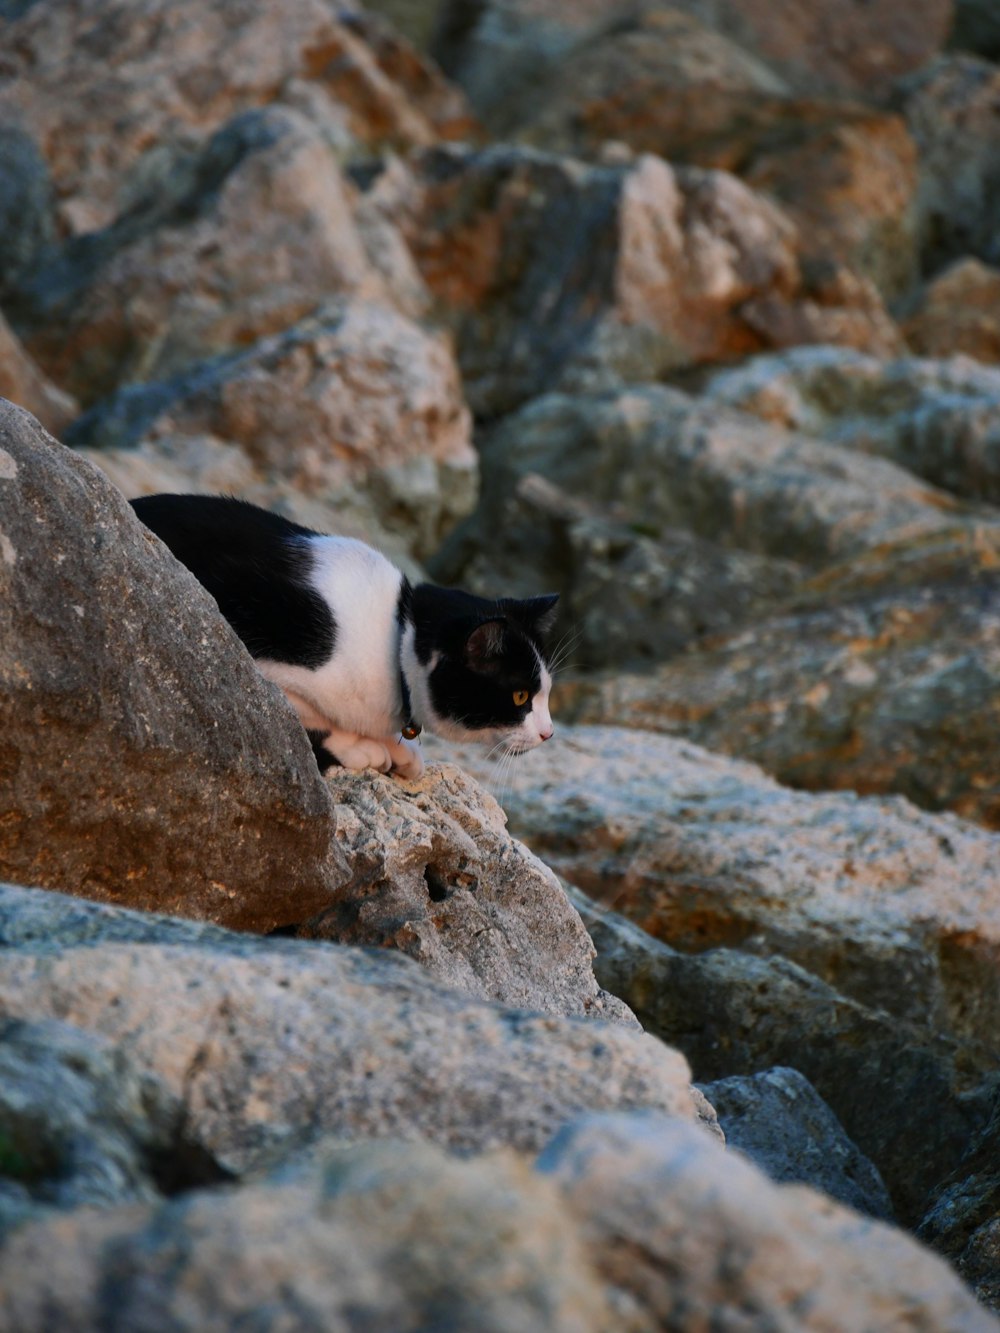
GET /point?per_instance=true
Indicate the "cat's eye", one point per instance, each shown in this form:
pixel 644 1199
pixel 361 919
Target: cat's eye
pixel 520 697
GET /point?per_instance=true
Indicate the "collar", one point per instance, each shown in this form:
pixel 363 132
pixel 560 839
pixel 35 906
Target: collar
pixel 410 729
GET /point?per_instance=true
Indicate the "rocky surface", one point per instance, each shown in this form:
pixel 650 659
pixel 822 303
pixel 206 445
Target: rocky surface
pixel 669 286
pixel 778 1120
pixel 850 939
pixel 267 1044
pixel 120 680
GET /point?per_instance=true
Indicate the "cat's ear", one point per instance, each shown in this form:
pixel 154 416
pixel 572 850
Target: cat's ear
pixel 541 612
pixel 485 646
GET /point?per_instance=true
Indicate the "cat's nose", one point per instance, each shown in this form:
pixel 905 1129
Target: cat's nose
pixel 546 735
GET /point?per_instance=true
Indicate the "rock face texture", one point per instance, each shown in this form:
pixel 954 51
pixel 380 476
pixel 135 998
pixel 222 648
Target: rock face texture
pixel 268 1044
pixel 130 711
pixel 633 302
pixel 853 940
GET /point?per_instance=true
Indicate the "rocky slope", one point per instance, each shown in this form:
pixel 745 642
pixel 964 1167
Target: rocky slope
pixel 655 305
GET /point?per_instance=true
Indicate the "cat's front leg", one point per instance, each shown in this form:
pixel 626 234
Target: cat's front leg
pixel 356 752
pixel 407 760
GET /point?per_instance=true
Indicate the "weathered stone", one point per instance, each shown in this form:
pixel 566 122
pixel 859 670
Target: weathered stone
pixel 495 49
pixel 557 273
pixel 895 907
pixel 24 384
pixel 155 77
pixel 698 1238
pixel 661 460
pixel 242 238
pixel 884 678
pixel 940 419
pixel 26 204
pixel 269 1044
pixel 144 759
pixel 82 1124
pixel 435 874
pixel 387 1236
pixel 958 312
pixel 950 108
pixel 778 1120
pixel 963 1221
pixel 903 1093
pixel 629 593
pixel 357 396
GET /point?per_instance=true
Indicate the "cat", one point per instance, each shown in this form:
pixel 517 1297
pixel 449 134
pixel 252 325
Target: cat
pixel 365 658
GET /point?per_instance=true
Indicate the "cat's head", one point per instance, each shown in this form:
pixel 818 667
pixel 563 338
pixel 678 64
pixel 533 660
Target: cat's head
pixel 477 669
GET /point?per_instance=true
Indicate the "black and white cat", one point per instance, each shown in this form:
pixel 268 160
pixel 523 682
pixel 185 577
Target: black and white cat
pixel 366 659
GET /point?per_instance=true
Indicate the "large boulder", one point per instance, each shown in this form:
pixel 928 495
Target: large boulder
pixel 503 48
pixel 950 108
pixel 553 272
pixel 900 1091
pixel 267 1044
pixel 938 418
pixel 356 398
pixel 243 237
pixel 627 1222
pixel 882 676
pixel 155 77
pixel 144 758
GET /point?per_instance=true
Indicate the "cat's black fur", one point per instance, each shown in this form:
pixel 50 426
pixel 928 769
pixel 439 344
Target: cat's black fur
pixel 365 659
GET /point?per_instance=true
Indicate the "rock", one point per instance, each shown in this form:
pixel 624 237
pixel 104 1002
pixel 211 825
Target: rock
pixel 963 1221
pixel 23 383
pixel 436 876
pixel 902 1092
pixel 957 312
pixel 819 47
pixel 778 1120
pixel 554 273
pixel 156 77
pixel 883 678
pixel 356 397
pixel 848 181
pixel 391 1235
pixel 940 419
pixel 896 908
pixel 664 1211
pixel 660 459
pixel 269 1044
pixel 950 107
pixel 241 238
pixel 26 205
pixel 976 28
pixel 82 1124
pixel 630 594
pixel 145 760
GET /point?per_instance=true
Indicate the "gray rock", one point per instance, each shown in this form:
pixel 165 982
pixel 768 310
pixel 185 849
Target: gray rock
pixel 145 760
pixel 778 1120
pixel 436 875
pixel 384 1237
pixel 901 1094
pixel 963 1221
pixel 27 215
pixel 866 932
pixel 693 1237
pixel 660 459
pixel 938 418
pixel 269 1044
pixel 628 593
pixel 82 1124
pixel 950 108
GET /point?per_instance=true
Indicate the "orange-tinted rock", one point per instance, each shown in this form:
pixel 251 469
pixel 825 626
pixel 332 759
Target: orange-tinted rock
pixel 23 383
pixel 959 311
pixel 111 93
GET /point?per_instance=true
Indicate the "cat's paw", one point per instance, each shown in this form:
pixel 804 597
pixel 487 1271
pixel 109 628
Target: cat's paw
pixel 407 761
pixel 363 753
